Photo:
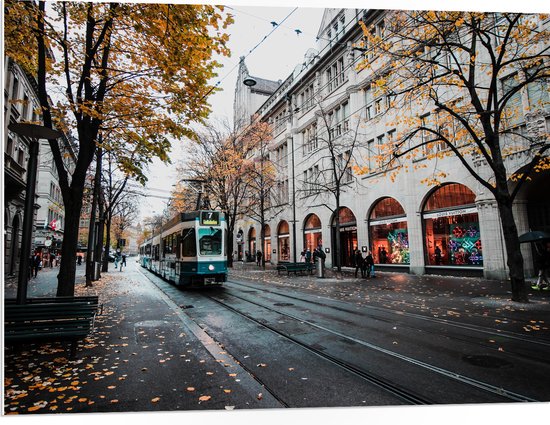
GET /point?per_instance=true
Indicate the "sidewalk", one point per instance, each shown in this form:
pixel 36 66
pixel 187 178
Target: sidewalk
pixel 145 355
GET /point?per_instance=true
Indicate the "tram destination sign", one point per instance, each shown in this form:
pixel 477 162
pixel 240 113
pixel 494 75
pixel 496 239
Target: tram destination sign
pixel 210 218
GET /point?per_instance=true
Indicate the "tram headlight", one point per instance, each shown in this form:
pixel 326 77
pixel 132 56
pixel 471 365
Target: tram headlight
pixel 211 267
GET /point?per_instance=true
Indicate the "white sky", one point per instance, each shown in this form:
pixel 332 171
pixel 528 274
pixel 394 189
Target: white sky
pixel 277 56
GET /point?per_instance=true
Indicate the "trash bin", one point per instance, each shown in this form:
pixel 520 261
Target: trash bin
pixel 320 268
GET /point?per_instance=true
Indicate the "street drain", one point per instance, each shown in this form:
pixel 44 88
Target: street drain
pixel 185 307
pixel 487 361
pixel 283 304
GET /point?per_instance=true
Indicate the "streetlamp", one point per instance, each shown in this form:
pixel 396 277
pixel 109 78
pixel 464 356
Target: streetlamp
pixel 34 133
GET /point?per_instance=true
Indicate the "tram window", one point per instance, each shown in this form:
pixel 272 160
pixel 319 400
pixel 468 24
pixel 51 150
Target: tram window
pixel 210 241
pixel 188 243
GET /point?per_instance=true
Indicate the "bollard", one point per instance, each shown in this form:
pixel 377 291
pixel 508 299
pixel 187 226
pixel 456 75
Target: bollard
pixel 320 268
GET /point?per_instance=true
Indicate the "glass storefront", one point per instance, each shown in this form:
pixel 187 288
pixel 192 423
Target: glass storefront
pixel 451 226
pixel 283 236
pixel 267 243
pixel 388 233
pixel 348 237
pixel 312 232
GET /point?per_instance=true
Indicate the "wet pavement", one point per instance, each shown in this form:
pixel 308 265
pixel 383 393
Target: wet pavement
pixel 147 355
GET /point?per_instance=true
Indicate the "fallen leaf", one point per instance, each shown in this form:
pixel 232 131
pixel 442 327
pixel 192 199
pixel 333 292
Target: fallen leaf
pixel 156 399
pixel 190 389
pixel 204 398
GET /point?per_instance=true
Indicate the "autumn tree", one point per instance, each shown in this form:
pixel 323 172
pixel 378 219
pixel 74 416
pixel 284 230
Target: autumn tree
pixel 456 80
pixel 140 70
pixel 260 174
pixel 217 161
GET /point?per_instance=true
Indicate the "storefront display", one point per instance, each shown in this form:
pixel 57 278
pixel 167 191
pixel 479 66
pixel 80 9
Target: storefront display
pixel 283 237
pixel 388 233
pixel 452 230
pixel 312 232
pixel 267 243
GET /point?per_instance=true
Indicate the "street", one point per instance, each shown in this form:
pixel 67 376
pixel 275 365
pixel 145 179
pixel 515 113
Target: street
pixel 264 340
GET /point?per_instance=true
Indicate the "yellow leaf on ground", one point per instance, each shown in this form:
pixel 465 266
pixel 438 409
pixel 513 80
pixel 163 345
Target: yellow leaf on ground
pixel 204 398
pixel 156 399
pixel 190 389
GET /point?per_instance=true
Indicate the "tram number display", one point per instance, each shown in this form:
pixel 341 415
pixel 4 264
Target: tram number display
pixel 210 218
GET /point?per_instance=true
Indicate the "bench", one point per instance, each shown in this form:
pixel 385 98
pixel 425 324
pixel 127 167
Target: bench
pixel 295 268
pixel 53 320
pixel 93 299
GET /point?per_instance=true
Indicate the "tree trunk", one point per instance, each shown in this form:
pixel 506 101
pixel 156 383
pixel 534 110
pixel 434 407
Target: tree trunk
pixel 67 268
pixel 513 251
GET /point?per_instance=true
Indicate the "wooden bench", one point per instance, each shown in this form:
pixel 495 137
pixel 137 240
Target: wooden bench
pixel 295 268
pixel 93 299
pixel 53 320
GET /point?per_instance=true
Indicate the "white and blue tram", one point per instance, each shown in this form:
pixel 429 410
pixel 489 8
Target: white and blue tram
pixel 189 250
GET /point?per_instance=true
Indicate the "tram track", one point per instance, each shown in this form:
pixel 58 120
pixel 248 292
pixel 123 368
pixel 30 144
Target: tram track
pixel 404 394
pixel 390 386
pixel 403 314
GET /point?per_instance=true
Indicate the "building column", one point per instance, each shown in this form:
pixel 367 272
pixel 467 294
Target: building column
pixel 522 224
pixel 416 243
pixel 492 240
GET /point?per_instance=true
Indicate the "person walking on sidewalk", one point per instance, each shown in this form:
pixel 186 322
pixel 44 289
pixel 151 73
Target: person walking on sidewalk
pixel 259 258
pixel 123 261
pixel 35 264
pixel 358 257
pixel 368 265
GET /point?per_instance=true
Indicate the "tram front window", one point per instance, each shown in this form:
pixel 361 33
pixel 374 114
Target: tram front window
pixel 210 241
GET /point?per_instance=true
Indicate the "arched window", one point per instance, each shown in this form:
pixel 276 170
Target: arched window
pixel 283 236
pixel 312 232
pixel 388 232
pixel 451 224
pixel 348 237
pixel 251 244
pixel 267 242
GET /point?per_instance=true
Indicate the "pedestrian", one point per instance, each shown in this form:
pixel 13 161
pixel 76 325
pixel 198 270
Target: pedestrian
pixel 116 259
pixel 302 256
pixel 308 256
pixel 358 260
pixel 79 259
pixel 543 264
pixel 123 262
pixel 36 260
pixel 437 255
pixel 368 265
pixel 259 258
pixel 383 255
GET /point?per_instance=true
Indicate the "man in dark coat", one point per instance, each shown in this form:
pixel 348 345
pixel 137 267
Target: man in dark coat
pixel 368 265
pixel 358 262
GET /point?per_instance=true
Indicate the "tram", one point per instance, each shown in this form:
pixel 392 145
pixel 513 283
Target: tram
pixel 189 250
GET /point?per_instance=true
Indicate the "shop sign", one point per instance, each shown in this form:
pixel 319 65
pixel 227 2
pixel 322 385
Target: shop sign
pixel 348 229
pixel 388 221
pixel 451 213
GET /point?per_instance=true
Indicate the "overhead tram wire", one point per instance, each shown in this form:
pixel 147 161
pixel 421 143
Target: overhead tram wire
pixel 248 54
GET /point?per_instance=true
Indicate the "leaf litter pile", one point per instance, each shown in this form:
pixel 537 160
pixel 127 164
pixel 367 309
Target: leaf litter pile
pixel 108 367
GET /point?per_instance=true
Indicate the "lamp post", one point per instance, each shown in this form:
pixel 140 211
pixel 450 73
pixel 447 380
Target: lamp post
pixel 34 133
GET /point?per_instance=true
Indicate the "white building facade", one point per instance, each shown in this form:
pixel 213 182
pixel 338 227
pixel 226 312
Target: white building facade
pixel 452 228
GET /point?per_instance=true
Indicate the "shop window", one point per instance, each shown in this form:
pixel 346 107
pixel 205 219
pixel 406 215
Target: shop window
pixel 283 236
pixel 389 233
pixel 267 243
pixel 451 225
pixel 312 232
